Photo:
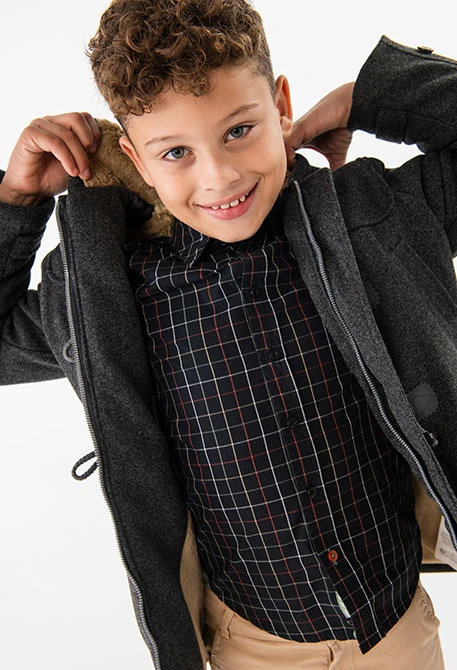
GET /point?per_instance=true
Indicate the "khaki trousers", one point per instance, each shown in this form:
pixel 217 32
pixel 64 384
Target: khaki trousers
pixel 235 644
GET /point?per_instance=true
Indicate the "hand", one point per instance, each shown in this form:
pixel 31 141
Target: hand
pixel 324 128
pixel 47 152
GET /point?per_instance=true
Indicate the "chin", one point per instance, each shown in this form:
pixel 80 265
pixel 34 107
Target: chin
pixel 243 233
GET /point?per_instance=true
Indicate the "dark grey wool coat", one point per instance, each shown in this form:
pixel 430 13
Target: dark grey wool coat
pixel 375 248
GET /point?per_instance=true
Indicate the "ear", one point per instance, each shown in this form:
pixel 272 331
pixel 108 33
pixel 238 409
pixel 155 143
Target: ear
pixel 130 151
pixel 284 105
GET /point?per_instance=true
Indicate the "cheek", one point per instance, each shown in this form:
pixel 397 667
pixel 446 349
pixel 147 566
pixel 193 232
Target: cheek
pixel 173 196
pixel 271 152
pixel 167 188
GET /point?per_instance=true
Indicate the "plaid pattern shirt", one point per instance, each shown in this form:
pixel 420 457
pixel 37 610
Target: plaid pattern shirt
pixel 304 511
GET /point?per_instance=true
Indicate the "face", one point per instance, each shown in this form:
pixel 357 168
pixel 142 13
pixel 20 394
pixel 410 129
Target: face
pixel 217 161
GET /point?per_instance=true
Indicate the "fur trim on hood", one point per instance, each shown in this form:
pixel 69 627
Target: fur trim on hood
pixel 111 167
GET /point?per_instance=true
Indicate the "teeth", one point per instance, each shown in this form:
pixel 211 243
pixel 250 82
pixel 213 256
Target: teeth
pixel 234 203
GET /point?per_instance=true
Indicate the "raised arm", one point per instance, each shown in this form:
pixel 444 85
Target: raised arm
pixel 47 152
pixel 403 95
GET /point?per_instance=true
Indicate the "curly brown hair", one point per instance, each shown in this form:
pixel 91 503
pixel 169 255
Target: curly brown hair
pixel 144 47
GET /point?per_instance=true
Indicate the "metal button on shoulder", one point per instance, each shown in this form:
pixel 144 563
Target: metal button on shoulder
pixel 425 50
pixel 332 556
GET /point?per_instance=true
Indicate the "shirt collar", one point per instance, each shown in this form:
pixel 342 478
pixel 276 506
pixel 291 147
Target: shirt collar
pixel 189 244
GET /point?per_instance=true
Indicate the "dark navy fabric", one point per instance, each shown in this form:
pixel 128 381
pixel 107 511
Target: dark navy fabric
pixel 274 439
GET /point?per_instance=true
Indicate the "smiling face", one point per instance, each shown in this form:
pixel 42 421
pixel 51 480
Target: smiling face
pixel 217 161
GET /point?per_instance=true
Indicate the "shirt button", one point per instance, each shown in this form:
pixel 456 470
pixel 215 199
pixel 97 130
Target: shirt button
pixel 274 354
pixel 254 292
pixel 292 422
pixel 332 556
pixel 312 492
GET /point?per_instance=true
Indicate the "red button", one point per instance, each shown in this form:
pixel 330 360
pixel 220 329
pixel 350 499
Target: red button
pixel 332 556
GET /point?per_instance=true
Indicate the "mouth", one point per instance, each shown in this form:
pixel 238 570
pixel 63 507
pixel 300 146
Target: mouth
pixel 234 202
pixel 232 208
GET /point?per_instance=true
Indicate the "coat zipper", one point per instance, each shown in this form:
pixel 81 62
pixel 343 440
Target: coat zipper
pixel 147 635
pixel 366 374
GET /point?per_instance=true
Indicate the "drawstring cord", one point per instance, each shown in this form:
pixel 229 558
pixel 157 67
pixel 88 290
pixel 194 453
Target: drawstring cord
pixel 89 471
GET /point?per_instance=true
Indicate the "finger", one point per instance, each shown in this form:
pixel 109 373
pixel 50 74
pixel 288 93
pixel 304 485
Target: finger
pixel 44 136
pixel 96 134
pixel 81 134
pixel 81 125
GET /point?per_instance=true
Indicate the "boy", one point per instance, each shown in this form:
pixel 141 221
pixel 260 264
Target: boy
pixel 286 318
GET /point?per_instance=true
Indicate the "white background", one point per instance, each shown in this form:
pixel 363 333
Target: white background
pixel 64 601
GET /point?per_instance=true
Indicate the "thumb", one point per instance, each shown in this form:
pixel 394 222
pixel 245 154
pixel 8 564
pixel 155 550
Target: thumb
pixel 302 133
pixel 290 153
pixel 337 160
pixel 301 136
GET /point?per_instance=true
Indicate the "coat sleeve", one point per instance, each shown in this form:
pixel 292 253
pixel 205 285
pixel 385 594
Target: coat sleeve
pixel 25 355
pixel 408 95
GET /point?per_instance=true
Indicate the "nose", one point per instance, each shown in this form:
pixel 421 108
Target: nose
pixel 217 171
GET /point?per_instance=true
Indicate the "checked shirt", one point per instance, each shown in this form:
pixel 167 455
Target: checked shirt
pixel 304 511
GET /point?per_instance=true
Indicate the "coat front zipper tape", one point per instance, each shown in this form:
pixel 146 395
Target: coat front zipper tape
pixel 147 635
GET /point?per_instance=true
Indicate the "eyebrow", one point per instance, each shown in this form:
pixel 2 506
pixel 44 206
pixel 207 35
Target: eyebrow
pixel 173 138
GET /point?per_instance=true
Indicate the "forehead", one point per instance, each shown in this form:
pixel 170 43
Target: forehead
pixel 234 89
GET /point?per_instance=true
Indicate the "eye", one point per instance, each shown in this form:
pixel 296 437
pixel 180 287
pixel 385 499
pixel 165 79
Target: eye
pixel 238 132
pixel 176 154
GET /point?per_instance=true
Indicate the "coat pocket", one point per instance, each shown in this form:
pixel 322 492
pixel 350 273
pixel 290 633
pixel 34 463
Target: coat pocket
pixel 432 289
